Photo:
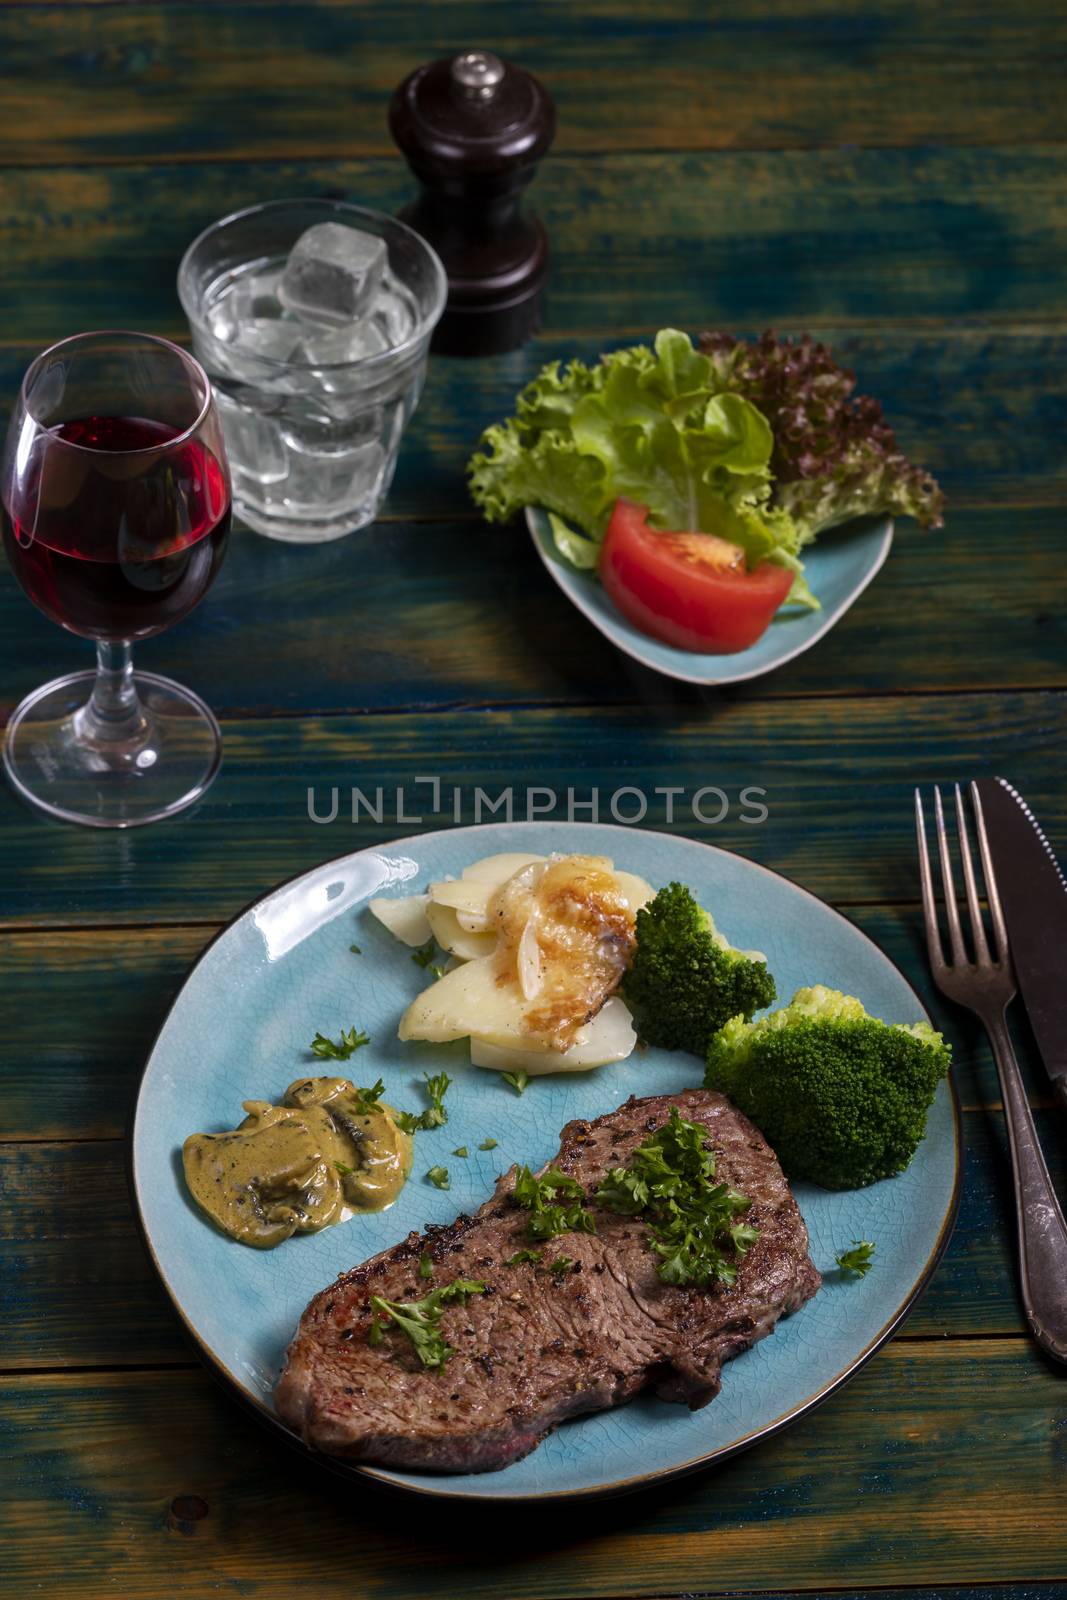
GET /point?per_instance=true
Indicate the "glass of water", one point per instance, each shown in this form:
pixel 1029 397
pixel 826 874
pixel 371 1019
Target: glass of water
pixel 315 336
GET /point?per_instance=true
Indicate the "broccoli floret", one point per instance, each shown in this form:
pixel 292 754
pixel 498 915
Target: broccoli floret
pixel 841 1096
pixel 685 980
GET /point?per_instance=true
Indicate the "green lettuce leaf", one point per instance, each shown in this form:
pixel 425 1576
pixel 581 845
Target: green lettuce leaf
pixel 650 425
pixel 575 548
pixel 549 470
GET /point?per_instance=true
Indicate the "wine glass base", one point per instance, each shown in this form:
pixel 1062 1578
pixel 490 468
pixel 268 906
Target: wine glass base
pixel 102 784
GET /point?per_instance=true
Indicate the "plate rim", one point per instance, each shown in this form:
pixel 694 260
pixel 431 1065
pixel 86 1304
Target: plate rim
pixel 391 1479
pixel 829 619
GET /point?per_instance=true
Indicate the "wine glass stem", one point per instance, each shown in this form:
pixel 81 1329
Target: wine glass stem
pixel 114 715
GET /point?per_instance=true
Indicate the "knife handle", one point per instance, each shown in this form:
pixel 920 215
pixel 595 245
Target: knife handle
pixel 1042 1230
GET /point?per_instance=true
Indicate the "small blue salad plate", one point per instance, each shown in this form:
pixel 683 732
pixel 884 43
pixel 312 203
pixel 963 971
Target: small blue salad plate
pixel 838 570
pixel 240 1029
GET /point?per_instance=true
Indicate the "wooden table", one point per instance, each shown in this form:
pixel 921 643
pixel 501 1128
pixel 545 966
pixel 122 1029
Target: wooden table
pixel 891 175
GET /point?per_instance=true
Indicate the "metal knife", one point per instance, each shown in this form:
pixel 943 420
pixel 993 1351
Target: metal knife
pixel 1033 893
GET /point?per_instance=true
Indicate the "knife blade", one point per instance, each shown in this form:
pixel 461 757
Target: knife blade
pixel 1033 894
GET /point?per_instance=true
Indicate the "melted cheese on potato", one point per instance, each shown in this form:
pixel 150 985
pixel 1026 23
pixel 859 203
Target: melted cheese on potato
pixel 565 934
pixel 541 944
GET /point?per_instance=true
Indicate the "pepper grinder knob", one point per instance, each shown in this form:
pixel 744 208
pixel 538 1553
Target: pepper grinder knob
pixel 478 73
pixel 472 128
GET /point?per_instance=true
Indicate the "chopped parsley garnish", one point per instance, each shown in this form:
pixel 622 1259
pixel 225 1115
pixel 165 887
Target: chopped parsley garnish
pixel 487 1144
pixel 561 1265
pixel 542 1196
pixel 518 1079
pixel 424 957
pixel 460 1150
pixel 355 949
pixel 435 1115
pixel 436 1087
pixel 425 1267
pixel 367 1099
pixel 345 1171
pixel 421 1319
pixel 523 1255
pixel 856 1263
pixel 349 1043
pixel 669 1180
pixel 438 1176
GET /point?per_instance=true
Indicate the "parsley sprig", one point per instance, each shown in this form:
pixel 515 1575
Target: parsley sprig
pixel 367 1099
pixel 545 1198
pixel 350 1041
pixel 424 957
pixel 435 1115
pixel 857 1262
pixel 421 1319
pixel 669 1180
pixel 523 1255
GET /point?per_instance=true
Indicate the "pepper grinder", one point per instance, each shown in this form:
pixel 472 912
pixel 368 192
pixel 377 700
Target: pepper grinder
pixel 472 129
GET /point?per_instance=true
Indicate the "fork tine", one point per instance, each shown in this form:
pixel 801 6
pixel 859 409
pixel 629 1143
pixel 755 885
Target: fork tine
pixel 1000 932
pixel 981 948
pixel 952 910
pixel 933 933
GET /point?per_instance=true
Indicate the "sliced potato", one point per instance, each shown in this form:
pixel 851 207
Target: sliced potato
pixel 474 924
pixel 637 892
pixel 495 869
pixel 405 918
pixel 609 1037
pixel 466 895
pixel 456 939
pixel 467 1001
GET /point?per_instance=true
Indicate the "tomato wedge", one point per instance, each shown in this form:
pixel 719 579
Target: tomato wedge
pixel 690 589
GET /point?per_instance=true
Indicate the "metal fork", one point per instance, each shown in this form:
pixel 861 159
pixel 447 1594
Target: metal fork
pixel 986 986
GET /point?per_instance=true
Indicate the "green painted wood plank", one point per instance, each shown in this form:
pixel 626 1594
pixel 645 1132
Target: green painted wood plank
pixel 902 1473
pixel 837 775
pixel 77 1289
pixel 212 81
pixel 104 992
pixel 735 237
pixel 409 614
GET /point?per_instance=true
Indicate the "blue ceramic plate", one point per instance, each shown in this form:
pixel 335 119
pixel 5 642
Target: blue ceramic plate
pixel 240 1027
pixel 838 569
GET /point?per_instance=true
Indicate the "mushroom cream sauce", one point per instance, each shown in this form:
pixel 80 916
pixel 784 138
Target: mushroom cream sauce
pixel 320 1157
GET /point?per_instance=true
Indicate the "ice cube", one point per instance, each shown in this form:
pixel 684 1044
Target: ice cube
pixel 331 347
pixel 332 274
pixel 253 442
pixel 268 337
pixel 394 312
pixel 222 320
pixel 335 480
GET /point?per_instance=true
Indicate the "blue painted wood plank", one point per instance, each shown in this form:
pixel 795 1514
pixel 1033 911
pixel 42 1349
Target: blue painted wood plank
pixel 734 238
pixel 453 612
pixel 837 775
pixel 97 81
pixel 901 1476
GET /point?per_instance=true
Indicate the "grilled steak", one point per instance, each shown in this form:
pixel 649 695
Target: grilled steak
pixel 538 1346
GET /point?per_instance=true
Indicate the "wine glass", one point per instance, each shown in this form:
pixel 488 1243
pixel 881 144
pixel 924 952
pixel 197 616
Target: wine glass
pixel 115 502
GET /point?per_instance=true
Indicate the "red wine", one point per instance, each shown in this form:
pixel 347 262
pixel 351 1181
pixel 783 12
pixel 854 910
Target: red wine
pixel 123 537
